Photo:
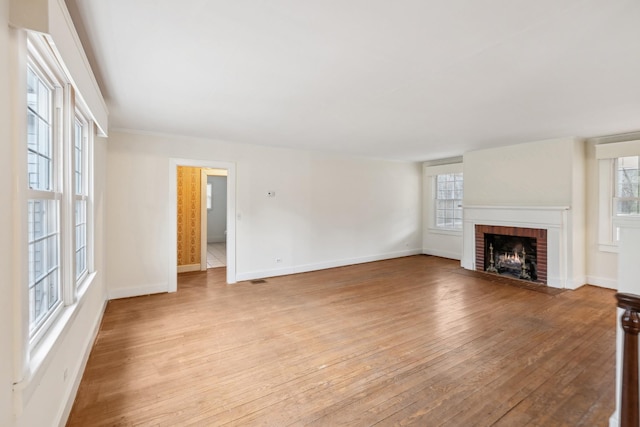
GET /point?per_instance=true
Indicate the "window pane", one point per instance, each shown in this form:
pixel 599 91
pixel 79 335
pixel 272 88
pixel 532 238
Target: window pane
pixel 448 200
pixel 39 133
pixel 44 259
pixel 81 237
pixel 78 158
pixel 627 201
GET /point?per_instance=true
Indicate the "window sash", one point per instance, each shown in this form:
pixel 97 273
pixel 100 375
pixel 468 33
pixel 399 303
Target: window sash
pixel 448 194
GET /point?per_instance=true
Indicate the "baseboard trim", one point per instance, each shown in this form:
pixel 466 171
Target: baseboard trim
pixel 304 268
pixel 188 268
pixel 137 291
pixel 442 254
pixel 602 282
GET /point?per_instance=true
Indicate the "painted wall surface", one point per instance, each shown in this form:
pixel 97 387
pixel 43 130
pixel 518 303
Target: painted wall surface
pixel 328 209
pixel 217 215
pixel 6 226
pixel 532 174
pixel 189 232
pixel 436 242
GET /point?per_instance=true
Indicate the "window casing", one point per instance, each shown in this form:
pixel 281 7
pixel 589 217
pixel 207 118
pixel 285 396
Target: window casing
pixel 58 194
pixel 448 201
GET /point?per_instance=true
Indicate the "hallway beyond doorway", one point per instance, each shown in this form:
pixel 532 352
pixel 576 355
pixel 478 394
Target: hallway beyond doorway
pixel 216 255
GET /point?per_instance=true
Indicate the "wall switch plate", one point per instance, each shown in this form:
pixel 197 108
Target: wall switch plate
pixel 271 194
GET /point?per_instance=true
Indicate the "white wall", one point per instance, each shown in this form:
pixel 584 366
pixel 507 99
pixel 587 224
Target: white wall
pixel 217 215
pixel 328 210
pixel 436 242
pixel 533 174
pixel 6 226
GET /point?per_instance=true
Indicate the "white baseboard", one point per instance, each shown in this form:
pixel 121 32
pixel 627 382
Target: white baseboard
pixel 77 375
pixel 217 239
pixel 323 265
pixel 603 282
pixel 613 421
pixel 188 268
pixel 442 254
pixel 137 291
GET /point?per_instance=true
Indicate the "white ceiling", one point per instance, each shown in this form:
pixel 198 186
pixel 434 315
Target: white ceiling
pixel 406 79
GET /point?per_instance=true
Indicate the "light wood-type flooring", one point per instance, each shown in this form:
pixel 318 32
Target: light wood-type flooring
pixel 410 341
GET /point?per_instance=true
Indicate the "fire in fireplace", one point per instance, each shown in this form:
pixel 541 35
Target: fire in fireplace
pixel 514 256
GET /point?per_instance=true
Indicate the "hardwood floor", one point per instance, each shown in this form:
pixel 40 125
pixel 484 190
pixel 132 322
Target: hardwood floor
pixel 409 341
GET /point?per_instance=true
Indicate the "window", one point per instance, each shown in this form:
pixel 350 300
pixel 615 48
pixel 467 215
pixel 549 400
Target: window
pixel 448 201
pixel 81 196
pixel 627 196
pixel 44 195
pixel 209 195
pixel 58 208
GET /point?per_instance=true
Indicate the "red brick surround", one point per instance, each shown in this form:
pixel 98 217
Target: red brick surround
pixel 541 244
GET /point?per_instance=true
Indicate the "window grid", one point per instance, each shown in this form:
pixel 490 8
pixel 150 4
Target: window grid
pixel 448 198
pixel 80 208
pixel 627 189
pixel 43 207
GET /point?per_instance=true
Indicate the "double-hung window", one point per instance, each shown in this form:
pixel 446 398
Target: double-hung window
pixel 44 195
pixel 81 197
pixel 618 188
pixel 58 201
pixel 448 201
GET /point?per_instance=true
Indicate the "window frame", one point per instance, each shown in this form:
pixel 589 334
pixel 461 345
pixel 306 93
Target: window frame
pixel 68 107
pixel 86 192
pixel 45 70
pixel 616 197
pixel 454 178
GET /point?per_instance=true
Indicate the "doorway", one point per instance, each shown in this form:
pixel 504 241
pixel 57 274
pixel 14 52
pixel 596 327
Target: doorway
pixel 172 279
pixel 213 236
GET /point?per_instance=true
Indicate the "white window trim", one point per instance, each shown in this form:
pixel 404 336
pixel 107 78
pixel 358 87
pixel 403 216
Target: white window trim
pixel 606 154
pixel 33 355
pixel 430 173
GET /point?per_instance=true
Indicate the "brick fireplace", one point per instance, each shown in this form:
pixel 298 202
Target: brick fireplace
pixel 537 236
pixel 559 246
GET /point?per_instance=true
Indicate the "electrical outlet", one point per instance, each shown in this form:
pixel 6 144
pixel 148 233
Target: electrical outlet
pixel 278 259
pixel 271 193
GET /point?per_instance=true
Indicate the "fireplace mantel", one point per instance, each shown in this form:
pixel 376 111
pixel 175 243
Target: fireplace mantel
pixel 556 220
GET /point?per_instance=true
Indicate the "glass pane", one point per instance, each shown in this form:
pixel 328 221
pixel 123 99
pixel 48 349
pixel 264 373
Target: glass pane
pixel 627 177
pixel 78 157
pixel 43 101
pixel 628 207
pixel 32 84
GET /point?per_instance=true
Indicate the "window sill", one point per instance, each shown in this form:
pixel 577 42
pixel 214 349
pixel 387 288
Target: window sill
pixel 608 247
pixel 444 231
pixel 41 355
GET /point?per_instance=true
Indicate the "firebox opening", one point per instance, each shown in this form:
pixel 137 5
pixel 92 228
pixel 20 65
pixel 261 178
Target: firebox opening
pixel 513 256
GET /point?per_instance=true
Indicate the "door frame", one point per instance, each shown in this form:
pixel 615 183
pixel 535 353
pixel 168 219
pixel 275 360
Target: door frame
pixel 205 173
pixel 172 279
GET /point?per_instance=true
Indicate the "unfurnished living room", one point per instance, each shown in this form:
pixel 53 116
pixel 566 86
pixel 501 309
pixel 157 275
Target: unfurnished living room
pixel 319 213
